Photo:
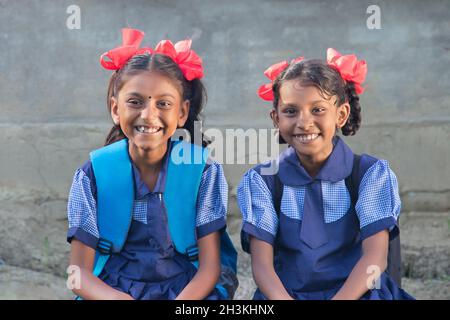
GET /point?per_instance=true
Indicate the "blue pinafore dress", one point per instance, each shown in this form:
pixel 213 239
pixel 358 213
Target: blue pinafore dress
pixel 317 234
pixel 148 267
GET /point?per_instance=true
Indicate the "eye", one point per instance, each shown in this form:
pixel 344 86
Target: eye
pixel 134 103
pixel 318 110
pixel 164 104
pixel 290 111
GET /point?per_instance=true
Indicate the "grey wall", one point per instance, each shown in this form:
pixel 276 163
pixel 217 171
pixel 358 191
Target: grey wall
pixel 52 87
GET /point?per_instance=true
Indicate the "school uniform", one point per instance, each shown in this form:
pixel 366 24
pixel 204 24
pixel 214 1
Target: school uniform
pixel 317 235
pixel 148 267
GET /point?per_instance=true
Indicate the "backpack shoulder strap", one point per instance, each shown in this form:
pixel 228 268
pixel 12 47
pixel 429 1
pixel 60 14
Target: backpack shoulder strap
pixel 352 181
pixel 277 193
pixel 361 163
pixel 186 164
pixel 275 186
pixel 113 175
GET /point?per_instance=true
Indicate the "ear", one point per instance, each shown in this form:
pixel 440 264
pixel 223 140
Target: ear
pixel 343 112
pixel 275 118
pixel 115 111
pixel 184 113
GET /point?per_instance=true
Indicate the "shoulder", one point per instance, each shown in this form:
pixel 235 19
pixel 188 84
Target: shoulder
pixel 213 178
pixel 85 175
pixel 256 171
pixel 212 165
pixel 87 169
pixel 367 160
pixel 266 172
pixel 374 167
pixel 379 181
pixel 213 170
pixel 260 177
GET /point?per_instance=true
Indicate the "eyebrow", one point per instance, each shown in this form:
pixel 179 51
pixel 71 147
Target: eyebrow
pixel 142 96
pixel 317 101
pixel 294 105
pixel 287 105
pixel 135 94
pixel 166 95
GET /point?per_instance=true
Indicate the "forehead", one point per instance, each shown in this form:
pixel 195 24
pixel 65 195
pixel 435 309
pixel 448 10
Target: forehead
pixel 291 91
pixel 150 83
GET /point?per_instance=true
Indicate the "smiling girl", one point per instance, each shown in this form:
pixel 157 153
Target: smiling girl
pixel 308 237
pixel 151 93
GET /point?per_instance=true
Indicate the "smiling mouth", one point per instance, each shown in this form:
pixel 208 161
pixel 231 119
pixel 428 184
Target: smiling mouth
pixel 306 138
pixel 147 130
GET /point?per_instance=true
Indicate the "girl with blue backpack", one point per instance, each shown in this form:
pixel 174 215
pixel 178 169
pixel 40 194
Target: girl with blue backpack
pixel 142 223
pixel 319 220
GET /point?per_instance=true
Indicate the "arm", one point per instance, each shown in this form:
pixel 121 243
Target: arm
pixel 208 271
pixel 91 287
pixel 375 250
pixel 263 271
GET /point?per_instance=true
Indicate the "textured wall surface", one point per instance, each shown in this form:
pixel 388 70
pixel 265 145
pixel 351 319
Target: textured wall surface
pixel 53 111
pixel 52 88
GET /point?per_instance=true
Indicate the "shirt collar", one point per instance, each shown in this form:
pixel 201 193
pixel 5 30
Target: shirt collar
pixel 141 187
pixel 337 167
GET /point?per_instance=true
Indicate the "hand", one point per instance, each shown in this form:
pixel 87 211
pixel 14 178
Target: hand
pixel 124 296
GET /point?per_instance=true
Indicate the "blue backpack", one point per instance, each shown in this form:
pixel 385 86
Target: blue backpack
pixel 115 195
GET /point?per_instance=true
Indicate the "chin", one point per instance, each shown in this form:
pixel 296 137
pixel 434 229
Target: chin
pixel 148 145
pixel 306 150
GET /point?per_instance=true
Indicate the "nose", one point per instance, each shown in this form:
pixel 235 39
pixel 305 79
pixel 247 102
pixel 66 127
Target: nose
pixel 150 111
pixel 304 120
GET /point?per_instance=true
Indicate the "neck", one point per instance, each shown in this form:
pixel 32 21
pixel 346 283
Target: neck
pixel 148 160
pixel 313 163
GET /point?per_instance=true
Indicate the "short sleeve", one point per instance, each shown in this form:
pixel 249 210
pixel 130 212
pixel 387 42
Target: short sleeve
pixel 378 206
pixel 212 200
pixel 82 211
pixel 258 213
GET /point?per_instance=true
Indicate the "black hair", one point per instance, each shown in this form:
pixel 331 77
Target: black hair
pixel 193 90
pixel 328 81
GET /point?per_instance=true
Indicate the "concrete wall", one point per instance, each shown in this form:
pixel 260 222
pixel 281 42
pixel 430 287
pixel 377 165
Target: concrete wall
pixel 52 88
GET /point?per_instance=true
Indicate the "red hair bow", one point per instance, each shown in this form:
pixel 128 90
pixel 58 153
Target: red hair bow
pixel 188 61
pixel 265 91
pixel 349 67
pixel 131 39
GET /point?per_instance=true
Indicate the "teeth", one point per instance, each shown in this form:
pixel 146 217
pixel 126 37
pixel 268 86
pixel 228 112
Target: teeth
pixel 306 137
pixel 143 129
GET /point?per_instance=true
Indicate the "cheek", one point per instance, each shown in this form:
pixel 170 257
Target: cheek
pixel 127 115
pixel 286 127
pixel 124 116
pixel 285 122
pixel 329 126
pixel 170 119
pixel 122 113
